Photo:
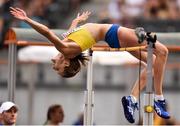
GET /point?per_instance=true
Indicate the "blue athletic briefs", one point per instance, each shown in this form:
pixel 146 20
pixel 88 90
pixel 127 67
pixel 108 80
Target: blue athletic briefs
pixel 112 36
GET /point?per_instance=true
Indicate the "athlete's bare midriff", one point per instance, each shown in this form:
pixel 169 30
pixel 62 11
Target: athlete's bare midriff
pixel 98 31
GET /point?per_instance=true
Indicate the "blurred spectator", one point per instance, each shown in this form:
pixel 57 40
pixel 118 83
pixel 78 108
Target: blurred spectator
pixel 161 9
pixel 0 115
pixel 22 3
pixel 55 115
pixel 174 11
pixel 2 2
pixel 35 10
pixel 44 11
pixel 1 27
pixel 133 8
pixel 5 20
pixel 75 3
pixel 125 11
pixel 79 121
pixel 53 13
pixel 49 12
pixel 178 5
pixel 0 119
pixel 114 12
pixel 8 111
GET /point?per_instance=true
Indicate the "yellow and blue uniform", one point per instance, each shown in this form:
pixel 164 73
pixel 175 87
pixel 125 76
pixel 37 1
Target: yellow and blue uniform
pixel 85 40
pixel 111 36
pixel 82 37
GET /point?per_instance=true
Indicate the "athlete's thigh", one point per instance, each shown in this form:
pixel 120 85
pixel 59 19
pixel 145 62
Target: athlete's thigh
pixel 142 55
pixel 160 49
pixel 128 38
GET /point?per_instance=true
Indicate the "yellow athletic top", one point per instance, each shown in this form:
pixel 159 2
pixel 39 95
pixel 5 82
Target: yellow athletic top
pixel 82 37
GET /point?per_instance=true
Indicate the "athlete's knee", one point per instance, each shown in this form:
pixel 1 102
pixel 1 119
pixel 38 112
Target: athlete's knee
pixel 161 50
pixel 164 51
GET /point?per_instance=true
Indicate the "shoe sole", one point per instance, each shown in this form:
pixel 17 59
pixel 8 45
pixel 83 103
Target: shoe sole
pixel 124 103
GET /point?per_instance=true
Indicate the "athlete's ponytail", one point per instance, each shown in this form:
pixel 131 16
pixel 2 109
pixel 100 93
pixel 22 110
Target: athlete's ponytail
pixel 75 66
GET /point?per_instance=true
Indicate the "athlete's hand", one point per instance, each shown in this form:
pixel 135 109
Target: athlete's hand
pixel 82 17
pixel 18 13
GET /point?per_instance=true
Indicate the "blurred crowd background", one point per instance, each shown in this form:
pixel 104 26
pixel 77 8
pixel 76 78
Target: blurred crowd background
pixel 112 82
pixel 49 12
pixel 129 13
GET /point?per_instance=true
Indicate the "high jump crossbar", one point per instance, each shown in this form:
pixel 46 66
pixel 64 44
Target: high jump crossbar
pixel 19 36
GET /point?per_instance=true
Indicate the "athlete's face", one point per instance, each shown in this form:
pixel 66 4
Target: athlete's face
pixel 59 63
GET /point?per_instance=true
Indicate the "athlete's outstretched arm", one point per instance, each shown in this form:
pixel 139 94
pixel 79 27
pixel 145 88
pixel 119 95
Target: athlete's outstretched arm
pixel 80 18
pixel 42 29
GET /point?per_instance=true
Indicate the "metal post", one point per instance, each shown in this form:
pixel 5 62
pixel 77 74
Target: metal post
pixel 31 90
pixel 149 96
pixel 12 71
pixel 89 94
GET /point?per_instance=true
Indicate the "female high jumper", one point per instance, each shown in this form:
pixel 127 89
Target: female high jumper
pixel 78 39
